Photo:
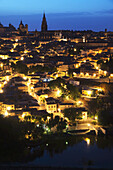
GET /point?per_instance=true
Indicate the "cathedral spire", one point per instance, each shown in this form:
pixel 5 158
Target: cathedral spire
pixel 44 24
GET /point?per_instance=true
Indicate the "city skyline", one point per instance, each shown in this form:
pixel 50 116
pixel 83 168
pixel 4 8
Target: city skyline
pixel 61 21
pixel 70 15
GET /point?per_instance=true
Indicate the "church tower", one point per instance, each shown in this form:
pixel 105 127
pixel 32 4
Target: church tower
pixel 44 24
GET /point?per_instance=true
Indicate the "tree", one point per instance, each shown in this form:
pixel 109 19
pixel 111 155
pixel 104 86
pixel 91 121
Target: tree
pixel 71 113
pixel 73 91
pixel 20 67
pixel 61 125
pixel 105 116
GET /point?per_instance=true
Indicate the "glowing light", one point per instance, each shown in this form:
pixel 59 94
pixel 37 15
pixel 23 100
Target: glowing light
pixel 12 50
pixel 88 124
pixel 89 92
pixel 87 74
pixel 87 141
pixel 28 84
pixel 94 75
pixel 1 65
pixel 111 75
pixel 8 108
pixel 59 109
pixel 5 82
pixel 82 74
pixel 66 143
pixel 25 78
pixel 105 72
pixel 67 97
pixel 22 58
pixel 6 113
pixel 83 117
pixel 25 52
pixel 96 117
pixel 56 75
pixel 14 45
pixel 79 102
pixel 75 49
pixel 58 92
pixel 23 115
pixel 31 87
pixel 1 91
pixel 7 78
pixel 16 40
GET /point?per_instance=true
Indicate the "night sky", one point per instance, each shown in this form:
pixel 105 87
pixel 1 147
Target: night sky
pixel 61 14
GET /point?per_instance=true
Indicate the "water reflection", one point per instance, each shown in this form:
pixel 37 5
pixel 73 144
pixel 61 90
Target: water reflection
pixel 77 151
pixel 87 141
pixel 65 150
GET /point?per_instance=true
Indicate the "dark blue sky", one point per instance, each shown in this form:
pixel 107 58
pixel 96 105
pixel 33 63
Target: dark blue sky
pixel 61 14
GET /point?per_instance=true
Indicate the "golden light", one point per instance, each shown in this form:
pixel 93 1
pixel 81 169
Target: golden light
pixel 58 92
pixel 87 141
pixel 88 124
pixel 89 92
pixel 67 97
pixel 79 102
pixel 1 65
pixel 14 45
pixel 5 82
pixel 75 49
pixel 8 108
pixel 82 74
pixel 25 52
pixel 16 40
pixel 56 75
pixel 105 72
pixel 96 117
pixel 59 109
pixel 87 74
pixel 32 88
pixel 1 91
pixel 99 89
pixel 7 78
pixel 99 70
pixel 75 73
pixel 25 78
pixel 12 50
pixel 6 113
pixel 23 115
pixel 100 51
pixel 83 117
pixel 22 58
pixel 28 83
pixel 111 75
pixel 94 75
pixel 33 72
pixel 0 85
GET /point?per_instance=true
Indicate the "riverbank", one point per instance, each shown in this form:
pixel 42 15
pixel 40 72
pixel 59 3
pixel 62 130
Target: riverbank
pixel 44 168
